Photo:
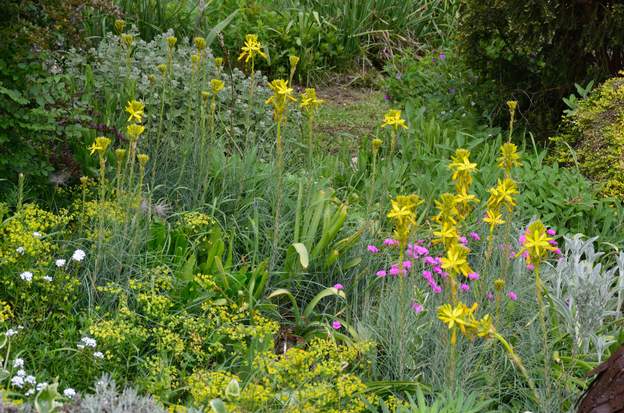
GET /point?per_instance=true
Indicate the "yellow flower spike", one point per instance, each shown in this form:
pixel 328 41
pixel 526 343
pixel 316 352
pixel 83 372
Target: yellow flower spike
pixel 127 39
pixel 446 235
pixel 120 25
pixel 393 118
pixel 452 316
pixel 251 48
pixel 218 61
pixel 461 166
pixel 100 145
pixel 143 159
pixel 171 41
pixel 136 110
pixel 200 43
pixel 294 60
pixel 512 105
pixel 537 243
pixel 134 131
pixel 509 157
pixel 485 327
pixel 502 194
pixel 309 101
pixel 216 85
pixel 447 209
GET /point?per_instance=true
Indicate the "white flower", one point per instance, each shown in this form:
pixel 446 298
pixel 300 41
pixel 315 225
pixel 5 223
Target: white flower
pixel 78 255
pixel 10 332
pixel 21 373
pixel 98 355
pixel 26 276
pixel 87 342
pixel 29 392
pixel 37 234
pixel 42 386
pixel 18 363
pixel 80 346
pixel 17 381
pixel 30 380
pixel 20 250
pixel 69 393
pixel 60 263
pixel 48 278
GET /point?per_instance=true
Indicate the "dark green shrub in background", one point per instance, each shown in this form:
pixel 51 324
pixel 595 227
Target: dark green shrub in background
pixel 535 50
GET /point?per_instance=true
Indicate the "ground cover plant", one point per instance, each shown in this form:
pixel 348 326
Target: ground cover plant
pixel 230 239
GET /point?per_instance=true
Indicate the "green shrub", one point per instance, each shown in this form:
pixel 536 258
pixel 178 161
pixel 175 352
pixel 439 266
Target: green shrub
pixel 591 137
pixel 536 50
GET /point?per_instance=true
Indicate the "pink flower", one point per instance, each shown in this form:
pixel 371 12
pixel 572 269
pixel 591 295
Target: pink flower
pixel 489 296
pixel 557 251
pixel 420 250
pixel 429 260
pixel 512 296
pixel 407 265
pixel 336 325
pixel 552 242
pixel 444 274
pixel 465 287
pixel 372 249
pixel 551 232
pixel 475 236
pixel 512 255
pixel 525 254
pixel 473 276
pixel 530 267
pixel 436 289
pixel 437 270
pixel 427 275
pixel 522 239
pixel 394 270
pixel 389 242
pixel 417 307
pixel 381 273
pixel 463 240
pixel 338 286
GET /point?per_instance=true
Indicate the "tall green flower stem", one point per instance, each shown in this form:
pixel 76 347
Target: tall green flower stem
pixel 189 109
pixel 517 361
pixel 371 193
pixel 278 202
pixel 161 116
pixel 539 290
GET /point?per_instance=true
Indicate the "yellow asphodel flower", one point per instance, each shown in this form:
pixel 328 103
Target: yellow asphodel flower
pixel 451 316
pixel 251 48
pixel 493 217
pixel 537 242
pixel 460 164
pixel 447 208
pixel 136 110
pixel 309 101
pixel 446 234
pixel 100 145
pixel 134 131
pixel 127 39
pixel 509 157
pixel 455 260
pixel 281 95
pixel 171 41
pixel 143 159
pixel 200 43
pixel 216 85
pixel 393 118
pixel 503 194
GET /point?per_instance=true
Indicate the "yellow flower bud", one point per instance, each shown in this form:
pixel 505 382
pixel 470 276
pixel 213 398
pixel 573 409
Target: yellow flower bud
pixel 293 61
pixel 218 61
pixel 499 284
pixel 84 181
pixel 143 159
pixel 200 43
pixel 376 144
pixel 134 131
pixel 171 41
pixel 195 58
pixel 120 25
pixel 512 105
pixel 216 85
pixel 120 154
pixel 127 39
pixel 205 95
pixel 162 68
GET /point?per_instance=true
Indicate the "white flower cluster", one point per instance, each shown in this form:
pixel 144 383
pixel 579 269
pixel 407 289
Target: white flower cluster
pixel 78 255
pixel 23 380
pixel 88 342
pixel 69 393
pixel 26 276
pixel 11 331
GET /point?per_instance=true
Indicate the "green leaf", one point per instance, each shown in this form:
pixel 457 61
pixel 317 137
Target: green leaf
pixel 302 251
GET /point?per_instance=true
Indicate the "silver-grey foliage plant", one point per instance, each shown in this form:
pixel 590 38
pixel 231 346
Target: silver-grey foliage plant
pixel 585 293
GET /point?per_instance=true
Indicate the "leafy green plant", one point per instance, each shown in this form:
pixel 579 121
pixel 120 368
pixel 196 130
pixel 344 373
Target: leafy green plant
pixel 444 403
